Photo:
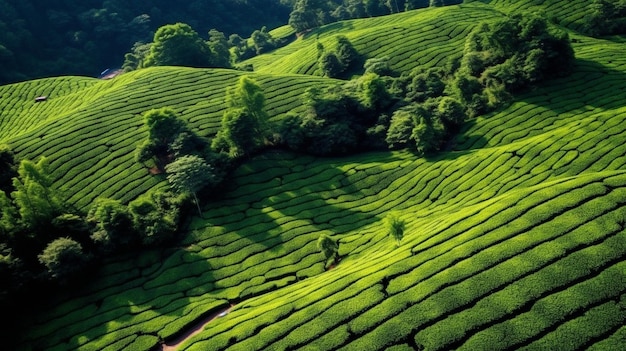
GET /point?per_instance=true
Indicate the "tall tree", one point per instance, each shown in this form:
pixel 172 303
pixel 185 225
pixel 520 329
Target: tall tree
pixel 164 130
pixel 178 45
pixel 189 174
pixel 244 124
pixel 37 201
pixel 219 48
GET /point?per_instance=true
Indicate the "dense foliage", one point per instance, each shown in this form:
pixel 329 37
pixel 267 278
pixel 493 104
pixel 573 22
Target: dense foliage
pixel 43 38
pixel 244 126
pixel 309 14
pixel 607 17
pixel 422 109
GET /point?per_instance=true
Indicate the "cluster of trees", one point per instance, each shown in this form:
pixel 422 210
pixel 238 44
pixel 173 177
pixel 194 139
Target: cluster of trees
pixel 180 45
pixel 43 240
pixel 309 14
pixel 423 109
pixel 341 61
pixel 244 126
pixel 42 38
pixel 607 17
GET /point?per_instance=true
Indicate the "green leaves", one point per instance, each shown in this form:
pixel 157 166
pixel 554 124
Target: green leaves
pixel 395 225
pixel 36 200
pixel 327 246
pixel 244 123
pixel 189 174
pixel 178 45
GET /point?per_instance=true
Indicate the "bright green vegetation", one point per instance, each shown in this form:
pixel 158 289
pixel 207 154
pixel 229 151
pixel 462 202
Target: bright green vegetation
pixel 89 124
pixel 514 238
pixel 425 38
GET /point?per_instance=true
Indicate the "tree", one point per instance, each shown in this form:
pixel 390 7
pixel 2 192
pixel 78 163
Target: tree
pixel 63 258
pixel 219 49
pixel 240 47
pixel 178 45
pixel 8 217
pixel 189 174
pixel 330 65
pixel 378 65
pixel 136 57
pixel 328 247
pixel 113 225
pixel 451 113
pixel 155 216
pixel 262 41
pixel 244 123
pixel 374 94
pixel 346 53
pixel 395 226
pixel 164 135
pixel 400 129
pixel 376 8
pixel 426 85
pixel 37 201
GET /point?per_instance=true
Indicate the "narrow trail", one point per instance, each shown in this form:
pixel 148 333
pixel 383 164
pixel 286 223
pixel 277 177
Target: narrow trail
pixel 194 330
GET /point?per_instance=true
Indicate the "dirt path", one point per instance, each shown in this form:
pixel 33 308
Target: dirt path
pixel 194 330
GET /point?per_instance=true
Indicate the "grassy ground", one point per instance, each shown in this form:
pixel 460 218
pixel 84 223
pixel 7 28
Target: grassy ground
pixel 515 237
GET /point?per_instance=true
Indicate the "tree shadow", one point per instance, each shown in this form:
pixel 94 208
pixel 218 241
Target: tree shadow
pixel 158 283
pixel 592 87
pixel 272 190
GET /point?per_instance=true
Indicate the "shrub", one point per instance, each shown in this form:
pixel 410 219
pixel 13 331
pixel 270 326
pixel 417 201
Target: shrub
pixel 328 247
pixel 400 129
pixel 63 258
pixel 155 217
pixel 395 226
pixel 113 225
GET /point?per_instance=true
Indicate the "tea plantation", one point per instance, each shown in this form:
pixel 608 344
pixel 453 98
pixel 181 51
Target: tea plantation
pixel 515 236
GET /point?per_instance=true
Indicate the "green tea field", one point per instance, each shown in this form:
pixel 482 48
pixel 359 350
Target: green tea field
pixel 515 236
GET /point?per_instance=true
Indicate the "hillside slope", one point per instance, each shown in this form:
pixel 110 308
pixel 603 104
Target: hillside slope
pixel 89 128
pixel 419 38
pixel 515 238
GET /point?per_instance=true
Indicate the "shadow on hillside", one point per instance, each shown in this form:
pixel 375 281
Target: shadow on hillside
pixel 158 285
pixel 315 200
pixel 462 143
pixel 591 85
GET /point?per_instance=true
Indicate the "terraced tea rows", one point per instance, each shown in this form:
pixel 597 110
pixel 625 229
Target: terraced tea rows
pixel 566 13
pixel 516 238
pixel 523 236
pixel 89 128
pixel 419 38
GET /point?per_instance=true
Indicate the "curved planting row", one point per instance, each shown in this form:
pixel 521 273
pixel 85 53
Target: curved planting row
pixel 30 104
pixel 566 13
pixel 418 38
pixel 89 131
pixel 528 232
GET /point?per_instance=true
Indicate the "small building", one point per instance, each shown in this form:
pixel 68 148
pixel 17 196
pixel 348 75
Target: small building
pixel 41 98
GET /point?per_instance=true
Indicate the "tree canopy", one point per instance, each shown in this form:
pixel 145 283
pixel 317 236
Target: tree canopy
pixel 178 45
pixel 245 121
pixel 49 38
